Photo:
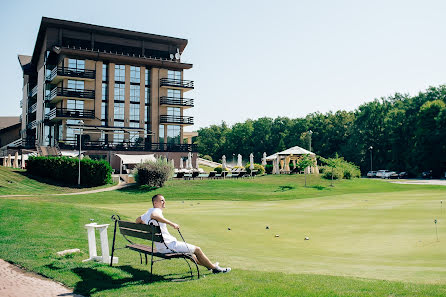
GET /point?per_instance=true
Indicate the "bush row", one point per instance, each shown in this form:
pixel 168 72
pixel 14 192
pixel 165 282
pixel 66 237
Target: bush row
pixel 153 173
pixel 339 168
pixel 66 170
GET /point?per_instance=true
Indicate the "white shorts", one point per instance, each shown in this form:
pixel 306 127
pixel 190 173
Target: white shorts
pixel 176 247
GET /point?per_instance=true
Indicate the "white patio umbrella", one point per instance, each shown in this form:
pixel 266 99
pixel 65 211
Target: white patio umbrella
pixel 181 163
pixel 276 165
pixel 223 161
pixel 264 159
pixel 189 161
pixel 16 160
pixel 4 161
pixel 8 161
pixel 197 166
pixel 251 161
pixel 173 163
pixel 239 160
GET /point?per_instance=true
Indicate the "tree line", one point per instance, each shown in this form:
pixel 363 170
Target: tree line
pixel 399 132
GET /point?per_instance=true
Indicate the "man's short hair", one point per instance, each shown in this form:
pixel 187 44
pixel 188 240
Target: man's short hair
pixel 156 197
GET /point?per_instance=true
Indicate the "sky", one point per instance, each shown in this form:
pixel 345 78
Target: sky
pixel 254 59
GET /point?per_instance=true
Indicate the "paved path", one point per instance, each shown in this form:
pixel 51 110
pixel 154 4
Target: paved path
pixel 438 182
pixel 16 282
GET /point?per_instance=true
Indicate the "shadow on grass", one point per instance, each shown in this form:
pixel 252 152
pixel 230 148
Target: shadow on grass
pixel 137 189
pixel 284 188
pixel 318 187
pixel 102 278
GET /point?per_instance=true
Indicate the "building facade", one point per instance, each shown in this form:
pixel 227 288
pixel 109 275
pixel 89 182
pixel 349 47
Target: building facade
pixel 124 91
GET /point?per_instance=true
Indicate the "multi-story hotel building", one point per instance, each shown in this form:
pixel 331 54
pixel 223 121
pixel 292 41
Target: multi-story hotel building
pixel 123 89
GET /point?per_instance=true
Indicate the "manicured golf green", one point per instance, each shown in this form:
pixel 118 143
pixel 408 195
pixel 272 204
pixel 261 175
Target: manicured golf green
pixel 366 237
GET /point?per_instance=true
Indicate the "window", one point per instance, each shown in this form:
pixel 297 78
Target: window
pixel 147 77
pixel 120 73
pixel 75 104
pixel 134 135
pixel 135 74
pixel 103 111
pixel 74 64
pixel 77 85
pixel 104 91
pixel 173 111
pixel 134 93
pixel 118 136
pixel 119 92
pixel 161 134
pixel 119 111
pixel 71 133
pixel 146 114
pixel 104 72
pixel 147 95
pixel 171 74
pixel 134 112
pixel 171 93
pixel 173 134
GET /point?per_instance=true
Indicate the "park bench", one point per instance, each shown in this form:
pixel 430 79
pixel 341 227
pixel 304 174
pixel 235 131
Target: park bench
pixel 152 233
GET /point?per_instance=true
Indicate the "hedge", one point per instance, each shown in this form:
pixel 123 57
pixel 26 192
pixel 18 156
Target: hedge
pixel 66 170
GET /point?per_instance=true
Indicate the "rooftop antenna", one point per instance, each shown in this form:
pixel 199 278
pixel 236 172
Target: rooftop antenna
pixel 177 55
pixel 171 56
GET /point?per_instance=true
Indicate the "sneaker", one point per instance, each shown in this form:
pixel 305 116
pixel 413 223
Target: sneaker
pixel 219 269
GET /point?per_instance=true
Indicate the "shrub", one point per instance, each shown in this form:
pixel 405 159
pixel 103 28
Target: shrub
pixel 342 168
pixel 269 168
pixel 260 169
pixel 207 157
pixel 154 173
pixel 219 169
pixel 327 172
pixel 65 170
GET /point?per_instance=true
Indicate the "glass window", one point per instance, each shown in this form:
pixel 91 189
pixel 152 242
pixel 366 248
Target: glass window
pixel 119 92
pixel 147 77
pixel 146 114
pixel 134 93
pixel 134 112
pixel 118 136
pixel 71 133
pixel 133 135
pixel 75 104
pixel 171 74
pixel 135 74
pixel 173 93
pixel 147 95
pixel 102 136
pixel 120 73
pixel 161 134
pixel 173 134
pixel 75 64
pixel 77 85
pixel 104 111
pixel 173 111
pixel 104 91
pixel 104 72
pixel 119 111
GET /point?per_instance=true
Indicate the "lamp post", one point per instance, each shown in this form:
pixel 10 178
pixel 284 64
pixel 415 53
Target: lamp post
pixel 81 124
pixel 371 157
pixel 310 133
pixel 233 159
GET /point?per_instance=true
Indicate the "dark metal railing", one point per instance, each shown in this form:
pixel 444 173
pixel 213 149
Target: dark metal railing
pixel 32 125
pixel 176 119
pixel 71 72
pixel 33 92
pixel 127 145
pixel 70 113
pixel 170 82
pixel 33 108
pixel 177 101
pixel 67 92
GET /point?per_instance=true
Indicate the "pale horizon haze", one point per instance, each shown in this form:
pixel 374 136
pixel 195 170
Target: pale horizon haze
pixel 261 58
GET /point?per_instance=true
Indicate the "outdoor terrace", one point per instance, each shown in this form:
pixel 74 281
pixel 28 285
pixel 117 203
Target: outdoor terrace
pixel 173 101
pixel 59 73
pixel 58 93
pixel 72 144
pixel 181 120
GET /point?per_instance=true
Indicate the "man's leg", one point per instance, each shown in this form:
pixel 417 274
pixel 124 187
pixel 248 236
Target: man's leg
pixel 202 259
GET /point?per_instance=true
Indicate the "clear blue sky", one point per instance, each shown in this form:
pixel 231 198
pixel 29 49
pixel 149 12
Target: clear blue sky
pixel 262 58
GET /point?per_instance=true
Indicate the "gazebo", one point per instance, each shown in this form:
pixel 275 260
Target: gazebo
pixel 292 154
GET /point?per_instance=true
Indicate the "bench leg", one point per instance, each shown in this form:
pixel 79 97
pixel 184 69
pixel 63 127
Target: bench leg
pixel 146 258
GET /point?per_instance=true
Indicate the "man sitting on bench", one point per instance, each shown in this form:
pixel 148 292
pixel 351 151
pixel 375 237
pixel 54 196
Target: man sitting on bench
pixel 173 245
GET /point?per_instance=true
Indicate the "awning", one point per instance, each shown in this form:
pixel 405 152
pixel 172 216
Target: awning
pixel 136 159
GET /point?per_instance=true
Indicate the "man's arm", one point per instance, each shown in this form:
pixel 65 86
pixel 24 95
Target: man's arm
pixel 164 220
pixel 139 221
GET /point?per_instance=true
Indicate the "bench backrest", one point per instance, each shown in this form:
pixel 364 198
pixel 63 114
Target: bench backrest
pixel 149 232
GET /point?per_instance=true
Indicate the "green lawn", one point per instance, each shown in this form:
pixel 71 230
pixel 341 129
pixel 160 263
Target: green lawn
pixel 367 238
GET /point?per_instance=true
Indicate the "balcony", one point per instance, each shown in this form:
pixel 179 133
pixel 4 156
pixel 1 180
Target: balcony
pixel 172 101
pixel 32 125
pixel 59 73
pixel 21 103
pixel 33 92
pixel 184 85
pixel 32 108
pixel 58 113
pixel 59 93
pixel 72 144
pixel 181 120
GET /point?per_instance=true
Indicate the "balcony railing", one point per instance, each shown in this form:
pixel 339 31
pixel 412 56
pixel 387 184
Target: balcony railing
pixel 33 92
pixel 179 83
pixel 67 92
pixel 71 72
pixel 32 108
pixel 72 144
pixel 32 125
pixel 177 101
pixel 168 119
pixel 21 103
pixel 70 113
